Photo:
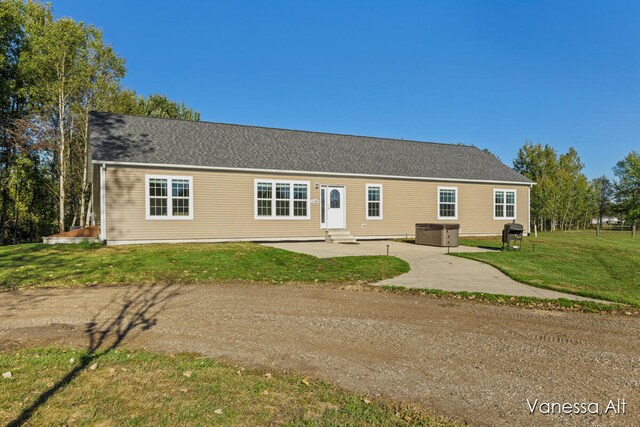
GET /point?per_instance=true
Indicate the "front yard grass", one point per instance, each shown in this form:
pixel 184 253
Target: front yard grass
pixel 605 267
pixel 69 265
pixel 51 386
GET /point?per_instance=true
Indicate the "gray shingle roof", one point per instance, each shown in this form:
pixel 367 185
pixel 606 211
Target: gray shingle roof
pixel 134 139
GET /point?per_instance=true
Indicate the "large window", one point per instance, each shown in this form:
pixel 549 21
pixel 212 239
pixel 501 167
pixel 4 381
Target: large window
pixel 374 201
pixel 300 205
pixel 169 197
pixel 447 202
pixel 281 199
pixel 264 198
pixel 158 196
pixel 504 204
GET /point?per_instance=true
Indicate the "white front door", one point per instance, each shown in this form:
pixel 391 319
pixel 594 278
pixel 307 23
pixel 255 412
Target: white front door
pixel 335 207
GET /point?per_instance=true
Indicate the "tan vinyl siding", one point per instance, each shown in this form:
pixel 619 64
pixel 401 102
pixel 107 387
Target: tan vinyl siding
pixel 224 206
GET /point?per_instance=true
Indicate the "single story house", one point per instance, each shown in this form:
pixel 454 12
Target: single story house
pixel 166 180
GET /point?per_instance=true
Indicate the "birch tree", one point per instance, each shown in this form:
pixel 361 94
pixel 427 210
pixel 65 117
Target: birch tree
pixel 563 198
pixel 69 68
pixel 539 164
pixel 53 63
pixel 105 69
pixel 52 72
pixel 603 190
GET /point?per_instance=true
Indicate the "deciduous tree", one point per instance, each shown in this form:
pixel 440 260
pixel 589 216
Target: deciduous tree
pixel 52 72
pixel 604 192
pixel 563 197
pixel 627 187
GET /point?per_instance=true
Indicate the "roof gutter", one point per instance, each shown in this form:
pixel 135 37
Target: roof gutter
pixel 299 172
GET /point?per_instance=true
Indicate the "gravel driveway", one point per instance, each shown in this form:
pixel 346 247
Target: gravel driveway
pixel 471 361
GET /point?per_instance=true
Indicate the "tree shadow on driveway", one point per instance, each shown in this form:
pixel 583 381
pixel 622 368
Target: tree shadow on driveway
pixel 134 312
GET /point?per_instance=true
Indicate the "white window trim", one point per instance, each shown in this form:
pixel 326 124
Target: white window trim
pixel 366 206
pixel 169 215
pixel 504 204
pixel 444 218
pixel 273 200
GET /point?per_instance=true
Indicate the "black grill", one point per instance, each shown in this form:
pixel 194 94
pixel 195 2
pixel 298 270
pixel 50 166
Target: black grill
pixel 512 236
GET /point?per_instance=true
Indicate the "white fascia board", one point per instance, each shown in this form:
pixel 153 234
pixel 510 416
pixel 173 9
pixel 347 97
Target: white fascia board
pixel 296 172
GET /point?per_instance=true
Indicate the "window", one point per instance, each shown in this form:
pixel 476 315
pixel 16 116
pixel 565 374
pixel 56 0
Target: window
pixel 504 204
pixel 157 196
pixel 169 197
pixel 447 202
pixel 300 200
pixel 180 197
pixel 281 199
pixel 374 201
pixel 263 197
pixel 334 199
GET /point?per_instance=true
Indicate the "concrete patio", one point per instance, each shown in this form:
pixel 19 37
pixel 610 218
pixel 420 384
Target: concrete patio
pixel 431 268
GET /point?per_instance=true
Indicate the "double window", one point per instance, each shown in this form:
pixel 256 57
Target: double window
pixel 504 204
pixel 374 201
pixel 281 199
pixel 447 202
pixel 169 197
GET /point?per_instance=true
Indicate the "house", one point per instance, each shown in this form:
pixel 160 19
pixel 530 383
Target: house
pixel 166 180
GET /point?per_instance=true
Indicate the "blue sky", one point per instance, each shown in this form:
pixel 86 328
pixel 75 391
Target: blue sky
pixel 492 74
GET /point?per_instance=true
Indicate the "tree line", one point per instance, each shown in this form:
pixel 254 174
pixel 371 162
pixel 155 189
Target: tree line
pixel 52 73
pixel 565 199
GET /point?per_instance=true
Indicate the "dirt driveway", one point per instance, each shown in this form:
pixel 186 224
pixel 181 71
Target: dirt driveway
pixel 475 362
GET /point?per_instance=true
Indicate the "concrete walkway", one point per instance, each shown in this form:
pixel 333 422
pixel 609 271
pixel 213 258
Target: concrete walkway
pixel 431 268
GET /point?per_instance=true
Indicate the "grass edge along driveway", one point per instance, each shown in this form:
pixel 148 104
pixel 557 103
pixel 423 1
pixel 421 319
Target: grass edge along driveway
pixel 31 265
pixel 140 388
pixel 605 267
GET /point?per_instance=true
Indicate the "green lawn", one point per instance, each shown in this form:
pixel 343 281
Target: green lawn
pixel 52 386
pixel 606 267
pixel 69 265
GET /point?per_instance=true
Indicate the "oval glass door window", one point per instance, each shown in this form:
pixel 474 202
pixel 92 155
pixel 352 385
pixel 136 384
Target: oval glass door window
pixel 334 199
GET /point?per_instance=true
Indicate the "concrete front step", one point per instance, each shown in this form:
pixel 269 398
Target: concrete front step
pixel 339 236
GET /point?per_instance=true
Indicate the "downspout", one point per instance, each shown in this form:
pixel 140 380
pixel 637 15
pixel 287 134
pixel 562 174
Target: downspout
pixel 103 203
